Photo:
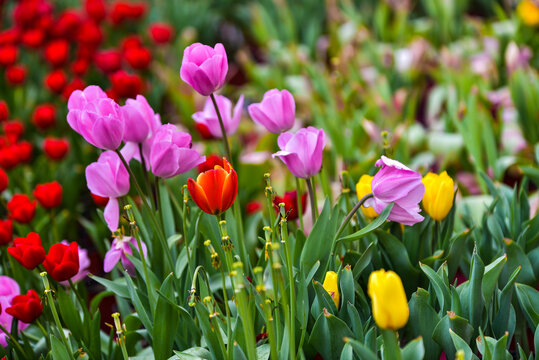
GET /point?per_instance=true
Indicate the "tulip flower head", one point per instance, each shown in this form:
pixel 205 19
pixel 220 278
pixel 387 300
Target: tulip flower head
pixel 528 12
pixel 140 119
pixel 290 201
pixel 84 265
pixel 119 249
pixel 331 285
pixel 8 290
pixel 363 187
pixel 302 152
pixel 62 261
pixel 49 195
pixel 21 208
pixel 55 149
pixel 26 308
pixel 204 68
pixel 108 178
pixel 276 112
pixel 439 195
pixel 28 251
pixel 6 232
pixel 396 183
pixel 389 305
pixel 4 180
pixel 231 117
pixel 215 190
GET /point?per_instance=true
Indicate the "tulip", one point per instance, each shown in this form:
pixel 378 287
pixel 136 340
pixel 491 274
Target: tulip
pixel 302 152
pixel 253 207
pixel 56 81
pixel 120 248
pixel 9 157
pixel 28 251
pixel 4 111
pixel 6 232
pixel 95 9
pixel 4 180
pixel 171 152
pixel 13 130
pixel 126 85
pixel 44 116
pixel 100 200
pixel 210 163
pixel 55 149
pixel 62 261
pixel 214 191
pixel 109 178
pixel 331 285
pixel 26 308
pixel 84 265
pixel 161 33
pixel 140 120
pixel 16 75
pixel 108 61
pixel 24 151
pixel 49 195
pixel 439 195
pixel 96 117
pixel 21 209
pixel 389 304
pixel 56 53
pixel 231 118
pixel 363 187
pixel 396 183
pixel 33 38
pixel 8 290
pixel 276 112
pixel 138 57
pixel 528 12
pixel 75 84
pixel 204 68
pixel 290 200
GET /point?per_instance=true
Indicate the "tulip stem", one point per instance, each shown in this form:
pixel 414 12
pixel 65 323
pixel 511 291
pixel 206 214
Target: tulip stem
pixel 392 350
pixel 146 176
pixel 15 342
pixel 300 207
pixel 312 196
pixel 222 125
pixel 227 311
pixel 350 215
pixel 291 284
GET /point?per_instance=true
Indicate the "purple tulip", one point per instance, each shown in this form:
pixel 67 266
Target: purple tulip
pixel 394 182
pixel 276 112
pixel 96 117
pixel 171 152
pixel 302 152
pixel 120 247
pixel 108 177
pixel 8 290
pixel 204 67
pixel 231 118
pixel 84 265
pixel 140 120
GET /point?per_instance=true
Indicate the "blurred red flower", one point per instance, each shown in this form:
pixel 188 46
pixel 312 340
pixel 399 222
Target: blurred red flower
pixel 4 111
pixel 138 57
pixel 80 66
pixel 57 52
pixel 62 261
pixel 67 24
pixel 44 116
pixel 16 74
pixel 131 41
pixel 55 149
pixel 124 10
pixel 126 85
pixel 290 201
pixel 161 33
pixel 8 55
pixel 9 36
pixel 13 130
pixel 89 35
pixel 75 84
pixel 100 200
pixel 253 207
pixel 21 208
pixel 33 38
pixel 24 151
pixel 8 157
pixel 56 80
pixel 49 195
pixel 4 180
pixel 6 232
pixel 108 61
pixel 95 9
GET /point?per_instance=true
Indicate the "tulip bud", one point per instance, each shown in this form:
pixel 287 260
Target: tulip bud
pixel 389 305
pixel 331 285
pixel 439 195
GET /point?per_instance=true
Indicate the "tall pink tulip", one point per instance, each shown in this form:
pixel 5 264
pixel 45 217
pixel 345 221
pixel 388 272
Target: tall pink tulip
pixel 140 119
pixel 276 112
pixel 171 152
pixel 231 118
pixel 302 152
pixel 394 182
pixel 108 177
pixel 204 67
pixel 8 290
pixel 96 117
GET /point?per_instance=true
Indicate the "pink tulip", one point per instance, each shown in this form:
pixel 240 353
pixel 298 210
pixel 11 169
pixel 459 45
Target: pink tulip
pixel 171 152
pixel 204 67
pixel 108 177
pixel 394 182
pixel 276 112
pixel 231 118
pixel 120 247
pixel 96 117
pixel 8 290
pixel 302 152
pixel 140 120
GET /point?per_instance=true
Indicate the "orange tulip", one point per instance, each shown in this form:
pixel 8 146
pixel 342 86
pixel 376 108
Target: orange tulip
pixel 215 190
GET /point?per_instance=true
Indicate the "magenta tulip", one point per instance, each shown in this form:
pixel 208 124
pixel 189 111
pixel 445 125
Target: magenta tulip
pixel 231 118
pixel 302 152
pixel 204 67
pixel 276 112
pixel 171 152
pixel 109 178
pixel 120 247
pixel 140 120
pixel 394 182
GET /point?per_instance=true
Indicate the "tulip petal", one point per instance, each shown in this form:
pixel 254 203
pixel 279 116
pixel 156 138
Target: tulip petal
pixel 112 214
pixel 199 196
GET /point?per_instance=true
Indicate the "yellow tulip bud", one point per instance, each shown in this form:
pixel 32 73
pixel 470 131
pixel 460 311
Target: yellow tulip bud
pixel 528 12
pixel 331 285
pixel 389 304
pixel 439 194
pixel 363 187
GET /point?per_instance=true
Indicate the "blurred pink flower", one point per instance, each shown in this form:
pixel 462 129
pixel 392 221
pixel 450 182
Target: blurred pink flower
pixel 231 118
pixel 276 112
pixel 120 247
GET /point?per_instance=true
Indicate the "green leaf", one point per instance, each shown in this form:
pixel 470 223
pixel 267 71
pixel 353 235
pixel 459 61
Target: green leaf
pixel 528 299
pixel 441 288
pixel 373 225
pixel 515 258
pixel 143 312
pixel 322 301
pixel 166 321
pixel 117 286
pixel 476 301
pixel 361 350
pixel 363 261
pixel 491 276
pixel 423 320
pixel 195 353
pixel 460 344
pixel 400 260
pixel 414 350
pixel 58 350
pixel 263 352
pixel 328 335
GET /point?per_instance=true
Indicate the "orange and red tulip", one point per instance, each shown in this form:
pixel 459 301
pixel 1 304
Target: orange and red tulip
pixel 215 190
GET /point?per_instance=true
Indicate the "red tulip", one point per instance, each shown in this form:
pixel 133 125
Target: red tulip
pixel 57 52
pixel 108 61
pixel 9 157
pixel 6 232
pixel 123 10
pixel 138 57
pixel 13 130
pixel 33 38
pixel 56 81
pixel 55 149
pixel 126 85
pixel 44 116
pixel 4 180
pixel 4 111
pixel 9 36
pixel 28 251
pixel 49 195
pixel 67 24
pixel 80 66
pixel 253 207
pixel 16 74
pixel 161 33
pixel 214 191
pixel 62 261
pixel 95 9
pixel 75 84
pixel 8 55
pixel 24 151
pixel 100 200
pixel 290 201
pixel 26 308
pixel 131 41
pixel 210 163
pixel 89 35
pixel 21 209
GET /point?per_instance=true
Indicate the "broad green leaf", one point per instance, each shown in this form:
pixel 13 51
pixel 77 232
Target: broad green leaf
pixel 491 276
pixel 528 298
pixel 166 322
pixel 414 350
pixel 58 349
pixel 328 335
pixel 441 288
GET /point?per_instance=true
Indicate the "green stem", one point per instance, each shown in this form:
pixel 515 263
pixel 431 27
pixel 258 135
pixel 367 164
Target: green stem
pixel 392 350
pixel 312 196
pixel 144 266
pixel 222 125
pixel 300 207
pixel 184 232
pixel 291 284
pixel 146 175
pixel 227 311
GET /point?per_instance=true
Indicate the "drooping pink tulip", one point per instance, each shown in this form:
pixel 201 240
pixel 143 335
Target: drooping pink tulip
pixel 231 117
pixel 276 112
pixel 395 182
pixel 302 152
pixel 108 177
pixel 171 152
pixel 204 67
pixel 120 247
pixel 96 117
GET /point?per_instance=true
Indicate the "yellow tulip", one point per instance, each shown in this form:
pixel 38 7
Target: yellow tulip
pixel 528 12
pixel 331 285
pixel 363 187
pixel 439 194
pixel 389 304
